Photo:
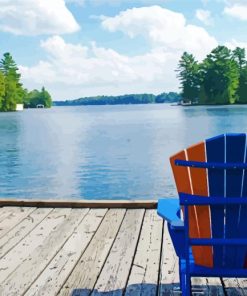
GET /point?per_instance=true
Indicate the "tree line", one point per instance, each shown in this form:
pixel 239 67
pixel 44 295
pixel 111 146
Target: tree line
pixel 221 78
pixel 170 97
pixel 12 91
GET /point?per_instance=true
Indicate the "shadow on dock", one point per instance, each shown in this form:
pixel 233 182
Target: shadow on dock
pixel 131 290
pixel 148 290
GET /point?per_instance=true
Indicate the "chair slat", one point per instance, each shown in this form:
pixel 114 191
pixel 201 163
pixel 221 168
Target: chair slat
pixel 235 152
pixel 200 187
pixel 183 184
pixel 180 174
pixel 241 228
pixel 215 151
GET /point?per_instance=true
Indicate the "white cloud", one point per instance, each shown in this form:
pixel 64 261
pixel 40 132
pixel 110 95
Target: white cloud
pixel 162 27
pixel 74 70
pixel 56 47
pixel 34 17
pixel 237 10
pixel 204 16
pixel 234 43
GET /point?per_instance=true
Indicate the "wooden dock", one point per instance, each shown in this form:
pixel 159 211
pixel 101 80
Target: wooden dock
pixel 92 248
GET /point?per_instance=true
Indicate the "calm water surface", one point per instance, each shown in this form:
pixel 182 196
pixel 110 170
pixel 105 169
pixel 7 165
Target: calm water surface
pixel 103 152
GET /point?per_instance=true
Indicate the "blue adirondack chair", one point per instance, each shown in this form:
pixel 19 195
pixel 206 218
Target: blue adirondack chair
pixel 208 223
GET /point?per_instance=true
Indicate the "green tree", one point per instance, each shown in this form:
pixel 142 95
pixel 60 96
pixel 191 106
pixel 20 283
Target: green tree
pixel 242 89
pixel 45 98
pixel 170 97
pixel 2 88
pixel 36 97
pixel 220 77
pixel 189 76
pixel 13 88
pixel 239 57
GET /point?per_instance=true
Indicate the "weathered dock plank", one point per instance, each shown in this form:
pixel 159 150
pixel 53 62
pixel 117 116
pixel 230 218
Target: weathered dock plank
pixel 13 219
pixel 169 275
pixel 207 286
pixel 143 280
pixel 100 251
pixel 243 284
pixel 80 203
pixel 114 275
pixel 22 250
pixel 234 287
pixel 87 269
pixel 6 211
pixel 21 279
pixel 58 270
pixel 16 234
pixel 215 286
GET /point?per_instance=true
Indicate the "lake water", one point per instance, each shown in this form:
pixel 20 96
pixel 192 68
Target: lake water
pixel 103 152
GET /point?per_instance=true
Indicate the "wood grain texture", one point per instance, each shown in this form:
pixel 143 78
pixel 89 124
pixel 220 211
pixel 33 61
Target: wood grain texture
pixel 85 252
pixel 114 275
pixel 53 277
pixel 84 276
pixel 207 286
pixel 6 211
pixel 16 234
pixel 215 287
pixel 21 279
pixel 234 287
pixel 22 250
pixel 169 275
pixel 13 219
pixel 143 280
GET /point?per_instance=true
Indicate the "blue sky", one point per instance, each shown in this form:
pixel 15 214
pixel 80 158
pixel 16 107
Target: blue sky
pixel 93 47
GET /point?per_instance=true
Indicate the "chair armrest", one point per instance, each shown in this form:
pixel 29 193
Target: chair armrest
pixel 168 209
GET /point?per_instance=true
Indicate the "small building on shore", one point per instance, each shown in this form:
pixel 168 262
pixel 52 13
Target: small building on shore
pixel 185 102
pixel 19 107
pixel 40 106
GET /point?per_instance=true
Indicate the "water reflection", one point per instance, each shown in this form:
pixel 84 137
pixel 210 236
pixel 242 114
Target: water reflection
pixel 103 151
pixel 9 151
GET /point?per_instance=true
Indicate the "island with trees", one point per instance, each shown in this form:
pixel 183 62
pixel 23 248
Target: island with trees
pixel 171 97
pixel 12 91
pixel 220 79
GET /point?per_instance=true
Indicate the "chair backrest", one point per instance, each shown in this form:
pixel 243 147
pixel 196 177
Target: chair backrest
pixel 215 221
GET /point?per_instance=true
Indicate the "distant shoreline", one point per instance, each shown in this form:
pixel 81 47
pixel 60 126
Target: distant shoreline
pixel 172 98
pixel 119 104
pixel 130 99
pixel 174 104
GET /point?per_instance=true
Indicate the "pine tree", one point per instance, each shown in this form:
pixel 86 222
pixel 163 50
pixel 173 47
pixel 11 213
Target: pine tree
pixel 220 77
pixel 2 89
pixel 13 88
pixel 45 98
pixel 239 57
pixel 189 76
